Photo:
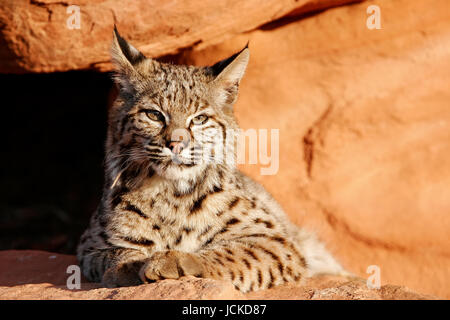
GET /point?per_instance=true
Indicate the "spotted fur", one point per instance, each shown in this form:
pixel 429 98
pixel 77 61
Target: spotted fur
pixel 159 218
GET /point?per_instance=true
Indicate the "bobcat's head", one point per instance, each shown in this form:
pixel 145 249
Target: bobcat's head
pixel 170 120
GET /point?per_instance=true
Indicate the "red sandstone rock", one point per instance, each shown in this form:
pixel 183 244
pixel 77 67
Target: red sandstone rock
pixel 29 267
pixel 46 276
pixel 35 38
pixel 364 119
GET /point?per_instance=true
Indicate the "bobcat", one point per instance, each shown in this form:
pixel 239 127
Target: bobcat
pixel 163 215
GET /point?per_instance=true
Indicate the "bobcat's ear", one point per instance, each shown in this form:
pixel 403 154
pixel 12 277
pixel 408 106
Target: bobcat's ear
pixel 125 59
pixel 228 74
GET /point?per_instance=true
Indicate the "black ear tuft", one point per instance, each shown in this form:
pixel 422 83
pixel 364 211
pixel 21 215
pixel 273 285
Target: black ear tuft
pixel 217 68
pixel 227 76
pixel 130 53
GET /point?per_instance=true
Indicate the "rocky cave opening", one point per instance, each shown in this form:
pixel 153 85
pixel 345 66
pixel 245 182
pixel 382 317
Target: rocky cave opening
pixel 52 157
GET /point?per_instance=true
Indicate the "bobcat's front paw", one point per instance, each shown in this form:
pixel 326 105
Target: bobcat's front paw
pixel 124 275
pixel 171 265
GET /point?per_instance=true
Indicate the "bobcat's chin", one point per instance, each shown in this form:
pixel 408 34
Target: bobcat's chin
pixel 180 171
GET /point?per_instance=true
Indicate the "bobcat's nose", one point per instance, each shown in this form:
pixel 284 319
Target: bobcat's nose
pixel 176 146
pixel 178 140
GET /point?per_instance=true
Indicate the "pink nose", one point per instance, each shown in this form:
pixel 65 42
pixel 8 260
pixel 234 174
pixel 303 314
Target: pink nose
pixel 176 146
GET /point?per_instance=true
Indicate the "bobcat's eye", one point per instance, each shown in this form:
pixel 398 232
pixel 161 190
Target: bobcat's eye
pixel 201 119
pixel 154 115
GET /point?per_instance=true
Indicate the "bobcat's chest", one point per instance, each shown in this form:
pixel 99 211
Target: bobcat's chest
pixel 176 228
pixel 171 222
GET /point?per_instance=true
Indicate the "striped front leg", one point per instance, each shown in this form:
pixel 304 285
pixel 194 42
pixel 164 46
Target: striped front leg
pixel 113 267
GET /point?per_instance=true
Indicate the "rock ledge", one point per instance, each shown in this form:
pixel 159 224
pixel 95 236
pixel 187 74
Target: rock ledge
pixel 42 275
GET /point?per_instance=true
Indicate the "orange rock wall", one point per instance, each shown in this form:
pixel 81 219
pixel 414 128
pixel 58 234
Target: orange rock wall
pixel 364 119
pixel 35 38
